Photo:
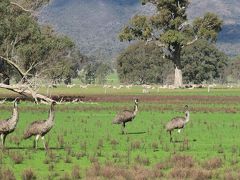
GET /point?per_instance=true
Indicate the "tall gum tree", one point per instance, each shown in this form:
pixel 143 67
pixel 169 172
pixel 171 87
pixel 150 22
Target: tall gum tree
pixel 170 29
pixel 28 51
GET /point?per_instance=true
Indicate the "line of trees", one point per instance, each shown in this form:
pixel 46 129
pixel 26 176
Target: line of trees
pixel 144 63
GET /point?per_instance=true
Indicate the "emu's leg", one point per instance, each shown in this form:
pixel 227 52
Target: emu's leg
pixel 179 130
pixel 125 131
pixel 170 132
pixel 36 140
pixel 122 128
pixel 2 140
pixel 44 142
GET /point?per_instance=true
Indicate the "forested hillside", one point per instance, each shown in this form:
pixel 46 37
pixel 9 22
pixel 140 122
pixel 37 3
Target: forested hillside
pixel 94 24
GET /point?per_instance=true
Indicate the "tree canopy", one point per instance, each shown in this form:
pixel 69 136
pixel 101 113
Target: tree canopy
pixel 28 50
pixel 203 62
pixel 169 28
pixel 143 64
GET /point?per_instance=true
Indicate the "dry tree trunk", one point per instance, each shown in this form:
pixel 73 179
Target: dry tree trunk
pixel 178 78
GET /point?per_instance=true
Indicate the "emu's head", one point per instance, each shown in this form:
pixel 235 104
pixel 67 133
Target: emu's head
pixel 53 103
pixel 16 101
pixel 186 110
pixel 136 101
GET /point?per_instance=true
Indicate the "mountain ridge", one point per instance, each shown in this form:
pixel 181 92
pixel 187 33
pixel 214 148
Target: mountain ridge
pixel 94 24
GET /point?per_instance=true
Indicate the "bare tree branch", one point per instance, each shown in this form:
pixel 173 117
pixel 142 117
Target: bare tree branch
pixel 8 61
pixel 18 5
pixel 193 41
pixel 27 91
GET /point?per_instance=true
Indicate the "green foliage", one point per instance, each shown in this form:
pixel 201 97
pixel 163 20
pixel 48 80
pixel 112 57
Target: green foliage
pixel 32 48
pixel 208 26
pixel 102 72
pixel 143 64
pixel 139 28
pixel 95 72
pixel 172 37
pixel 233 69
pixel 202 62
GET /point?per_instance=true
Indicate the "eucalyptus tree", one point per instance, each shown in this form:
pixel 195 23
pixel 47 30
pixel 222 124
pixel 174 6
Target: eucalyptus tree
pixel 28 50
pixel 171 30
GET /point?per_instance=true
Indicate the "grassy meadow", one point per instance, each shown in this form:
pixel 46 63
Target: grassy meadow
pixel 85 144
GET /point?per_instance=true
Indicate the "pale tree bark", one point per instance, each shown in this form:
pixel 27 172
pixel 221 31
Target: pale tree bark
pixel 27 91
pixel 21 7
pixel 178 80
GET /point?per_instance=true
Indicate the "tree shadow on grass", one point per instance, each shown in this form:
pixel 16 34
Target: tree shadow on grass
pixel 55 148
pixel 143 132
pixel 16 148
pixel 31 148
pixel 181 141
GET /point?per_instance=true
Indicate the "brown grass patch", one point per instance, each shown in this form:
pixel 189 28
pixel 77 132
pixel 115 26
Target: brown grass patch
pixel 213 163
pixel 182 161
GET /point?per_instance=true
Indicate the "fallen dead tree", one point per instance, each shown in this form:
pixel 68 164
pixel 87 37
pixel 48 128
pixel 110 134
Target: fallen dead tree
pixel 27 91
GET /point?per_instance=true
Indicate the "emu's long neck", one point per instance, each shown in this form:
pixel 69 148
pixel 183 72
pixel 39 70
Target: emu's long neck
pixel 51 113
pixel 187 116
pixel 135 109
pixel 15 112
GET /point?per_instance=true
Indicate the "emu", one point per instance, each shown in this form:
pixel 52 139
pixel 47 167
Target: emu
pixel 178 123
pixel 126 116
pixel 41 128
pixel 8 126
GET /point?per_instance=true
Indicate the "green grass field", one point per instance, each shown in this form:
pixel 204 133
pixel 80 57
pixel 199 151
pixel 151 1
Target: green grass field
pixel 84 136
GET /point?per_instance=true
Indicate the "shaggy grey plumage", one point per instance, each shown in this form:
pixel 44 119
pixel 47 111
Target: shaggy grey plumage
pixel 8 126
pixel 126 116
pixel 40 128
pixel 178 123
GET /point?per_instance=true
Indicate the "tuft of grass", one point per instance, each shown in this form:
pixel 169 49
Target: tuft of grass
pixel 68 159
pixel 136 145
pixel 183 161
pixel 76 172
pixel 28 174
pixel 17 157
pixel 7 174
pixel 213 163
pixel 142 160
